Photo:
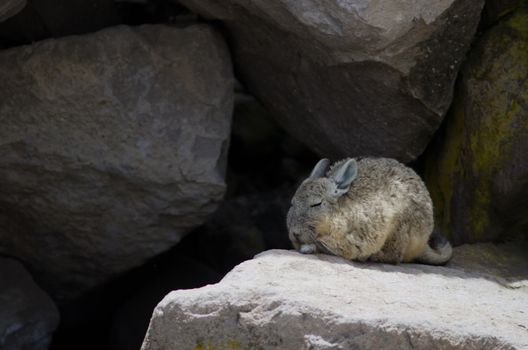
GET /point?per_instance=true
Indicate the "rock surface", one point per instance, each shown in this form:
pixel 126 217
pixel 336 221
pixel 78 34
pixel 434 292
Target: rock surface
pixel 285 300
pixel 477 171
pixel 113 146
pixel 28 317
pixel 350 78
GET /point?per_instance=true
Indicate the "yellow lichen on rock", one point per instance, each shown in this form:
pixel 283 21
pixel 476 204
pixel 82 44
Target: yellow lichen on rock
pixel 441 169
pixel 487 119
pixel 227 345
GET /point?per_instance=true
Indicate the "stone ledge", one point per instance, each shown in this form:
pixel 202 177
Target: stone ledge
pixel 285 300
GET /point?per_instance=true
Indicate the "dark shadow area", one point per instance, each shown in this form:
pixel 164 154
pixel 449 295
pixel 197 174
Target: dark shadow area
pixel 116 315
pixel 43 19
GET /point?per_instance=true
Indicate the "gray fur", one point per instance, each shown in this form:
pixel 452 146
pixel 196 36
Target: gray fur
pixel 373 209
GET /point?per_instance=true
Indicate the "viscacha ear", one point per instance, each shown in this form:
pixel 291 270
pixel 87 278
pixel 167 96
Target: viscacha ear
pixel 319 169
pixel 344 175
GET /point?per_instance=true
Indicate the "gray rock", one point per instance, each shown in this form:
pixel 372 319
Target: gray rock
pixel 9 8
pixel 285 300
pixel 28 317
pixel 351 77
pixel 113 146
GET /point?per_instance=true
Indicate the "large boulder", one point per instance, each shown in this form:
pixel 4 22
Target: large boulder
pixel 28 317
pixel 112 147
pixel 9 8
pixel 350 77
pixel 285 300
pixel 477 170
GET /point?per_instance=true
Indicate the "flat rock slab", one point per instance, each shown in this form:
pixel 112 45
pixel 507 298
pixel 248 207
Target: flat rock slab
pixel 28 317
pixel 285 300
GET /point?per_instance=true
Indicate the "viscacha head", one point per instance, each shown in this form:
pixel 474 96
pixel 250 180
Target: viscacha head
pixel 315 201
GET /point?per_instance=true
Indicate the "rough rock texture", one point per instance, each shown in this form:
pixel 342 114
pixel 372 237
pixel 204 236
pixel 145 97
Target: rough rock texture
pixel 28 317
pixel 284 300
pixel 477 171
pixel 350 77
pixel 9 8
pixel 112 147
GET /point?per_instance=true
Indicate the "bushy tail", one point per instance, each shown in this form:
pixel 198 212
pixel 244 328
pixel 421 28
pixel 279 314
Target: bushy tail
pixel 438 250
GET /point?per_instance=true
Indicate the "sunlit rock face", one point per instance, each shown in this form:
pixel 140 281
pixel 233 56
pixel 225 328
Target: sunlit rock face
pixel 286 300
pixel 350 78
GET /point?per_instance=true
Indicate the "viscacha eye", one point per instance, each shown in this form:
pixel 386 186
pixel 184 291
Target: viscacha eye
pixel 316 204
